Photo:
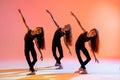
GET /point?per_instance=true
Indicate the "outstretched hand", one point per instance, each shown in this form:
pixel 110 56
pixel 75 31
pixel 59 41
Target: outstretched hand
pixel 48 11
pixel 41 58
pixel 19 10
pixel 96 60
pixel 70 52
pixel 72 13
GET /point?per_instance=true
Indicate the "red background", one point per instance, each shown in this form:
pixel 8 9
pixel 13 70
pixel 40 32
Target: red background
pixel 102 14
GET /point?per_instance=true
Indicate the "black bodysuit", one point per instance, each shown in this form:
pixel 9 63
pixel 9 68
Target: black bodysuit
pixel 56 43
pixel 80 45
pixel 81 40
pixel 29 47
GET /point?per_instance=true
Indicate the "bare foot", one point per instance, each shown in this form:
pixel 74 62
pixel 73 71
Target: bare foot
pixel 83 71
pixel 32 73
pixel 60 67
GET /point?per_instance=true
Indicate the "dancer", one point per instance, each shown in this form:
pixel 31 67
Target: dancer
pixel 36 35
pixel 56 43
pixel 93 38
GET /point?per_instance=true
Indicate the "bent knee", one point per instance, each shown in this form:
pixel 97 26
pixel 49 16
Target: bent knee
pixel 35 60
pixel 89 59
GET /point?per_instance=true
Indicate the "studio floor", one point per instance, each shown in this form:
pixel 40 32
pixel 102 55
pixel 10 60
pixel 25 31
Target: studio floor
pixel 105 70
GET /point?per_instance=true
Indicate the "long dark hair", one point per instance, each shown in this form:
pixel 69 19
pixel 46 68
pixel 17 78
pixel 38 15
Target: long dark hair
pixel 95 41
pixel 68 34
pixel 41 39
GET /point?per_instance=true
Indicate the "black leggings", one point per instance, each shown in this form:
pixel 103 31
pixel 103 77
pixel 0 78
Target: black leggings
pixel 55 54
pixel 34 56
pixel 85 52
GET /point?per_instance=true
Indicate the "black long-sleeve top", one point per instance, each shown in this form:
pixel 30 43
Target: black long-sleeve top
pixel 58 34
pixel 81 40
pixel 29 39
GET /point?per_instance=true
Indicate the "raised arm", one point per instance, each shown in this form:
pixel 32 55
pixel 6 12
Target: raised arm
pixel 53 19
pixel 78 21
pixel 23 19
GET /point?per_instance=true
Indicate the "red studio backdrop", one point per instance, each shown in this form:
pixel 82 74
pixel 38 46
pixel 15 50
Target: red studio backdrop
pixel 101 14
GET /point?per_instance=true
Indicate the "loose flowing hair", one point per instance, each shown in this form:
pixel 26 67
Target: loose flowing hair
pixel 41 39
pixel 68 34
pixel 95 41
